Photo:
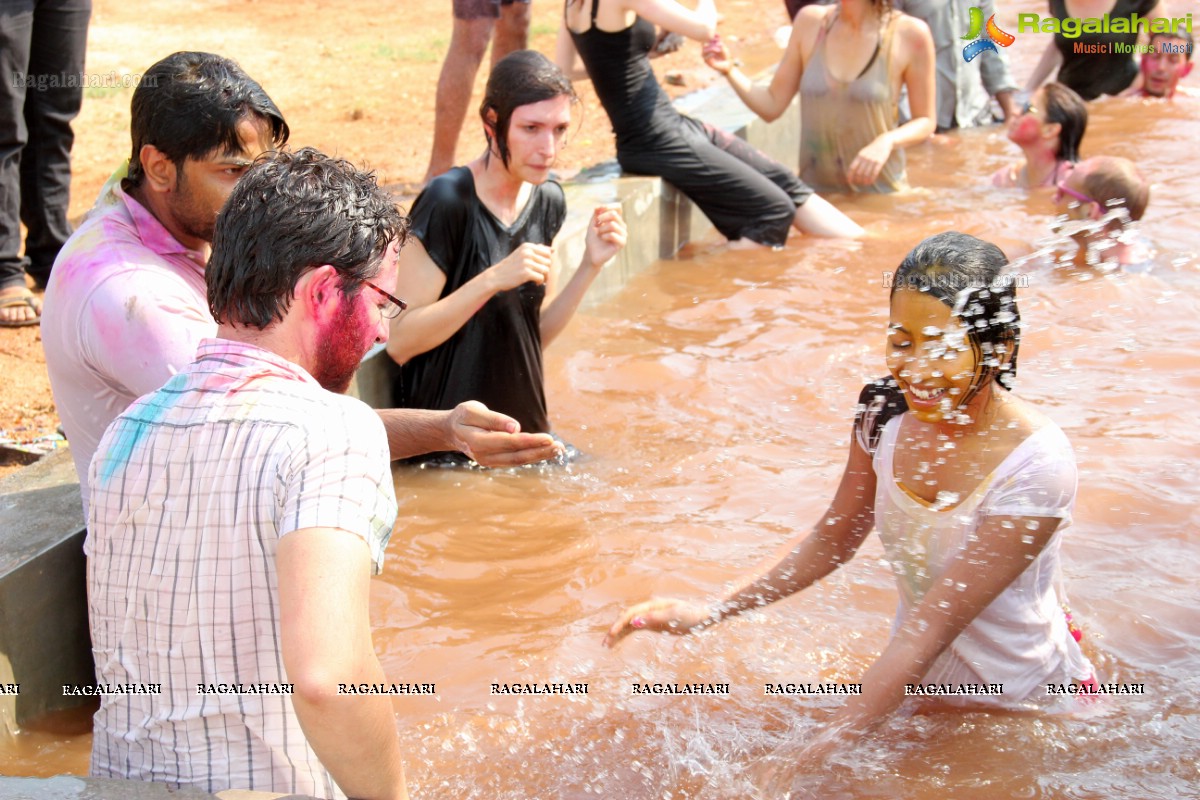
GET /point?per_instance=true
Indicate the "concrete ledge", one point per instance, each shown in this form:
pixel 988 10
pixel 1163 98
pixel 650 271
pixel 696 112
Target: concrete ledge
pixel 44 641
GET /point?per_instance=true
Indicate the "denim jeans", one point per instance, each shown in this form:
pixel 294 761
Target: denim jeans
pixel 42 44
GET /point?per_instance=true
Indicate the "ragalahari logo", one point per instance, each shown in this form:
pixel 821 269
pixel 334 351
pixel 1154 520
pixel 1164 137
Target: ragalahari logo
pixel 991 35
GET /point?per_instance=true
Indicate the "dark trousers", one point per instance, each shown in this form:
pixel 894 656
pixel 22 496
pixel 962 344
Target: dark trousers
pixel 744 193
pixel 42 44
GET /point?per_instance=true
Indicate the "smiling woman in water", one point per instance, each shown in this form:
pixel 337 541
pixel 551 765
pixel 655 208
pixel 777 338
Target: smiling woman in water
pixel 970 488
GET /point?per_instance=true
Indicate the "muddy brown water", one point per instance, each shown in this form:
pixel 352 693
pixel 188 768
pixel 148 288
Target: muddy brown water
pixel 712 397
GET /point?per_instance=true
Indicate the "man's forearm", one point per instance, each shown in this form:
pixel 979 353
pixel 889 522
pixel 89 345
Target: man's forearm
pixel 416 431
pixel 1008 103
pixel 489 438
pixel 325 639
pixel 758 98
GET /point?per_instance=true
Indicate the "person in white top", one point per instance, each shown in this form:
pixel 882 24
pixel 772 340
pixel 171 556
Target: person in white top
pixel 970 488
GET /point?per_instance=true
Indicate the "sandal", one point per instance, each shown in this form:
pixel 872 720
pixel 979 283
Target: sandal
pixel 15 301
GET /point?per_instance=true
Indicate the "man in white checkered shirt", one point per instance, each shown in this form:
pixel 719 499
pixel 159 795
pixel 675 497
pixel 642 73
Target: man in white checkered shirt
pixel 238 512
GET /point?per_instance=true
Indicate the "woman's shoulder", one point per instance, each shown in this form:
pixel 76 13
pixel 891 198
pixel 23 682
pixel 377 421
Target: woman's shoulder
pixel 552 203
pixel 912 30
pixel 814 15
pixel 552 190
pixel 1028 426
pixel 807 27
pixel 817 11
pixel 455 185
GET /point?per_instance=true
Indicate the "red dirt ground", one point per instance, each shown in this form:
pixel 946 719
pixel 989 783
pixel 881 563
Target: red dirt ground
pixel 353 78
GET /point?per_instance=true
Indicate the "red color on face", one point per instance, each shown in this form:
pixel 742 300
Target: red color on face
pixel 344 340
pixel 1162 69
pixel 346 336
pixel 1026 128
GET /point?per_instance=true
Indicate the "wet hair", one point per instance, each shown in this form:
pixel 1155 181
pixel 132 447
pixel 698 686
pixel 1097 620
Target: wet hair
pixel 1112 180
pixel 1066 108
pixel 967 274
pixel 189 105
pixel 519 79
pixel 289 213
pixel 1179 33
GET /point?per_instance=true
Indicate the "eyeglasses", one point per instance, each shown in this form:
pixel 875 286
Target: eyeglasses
pixel 395 304
pixel 1061 190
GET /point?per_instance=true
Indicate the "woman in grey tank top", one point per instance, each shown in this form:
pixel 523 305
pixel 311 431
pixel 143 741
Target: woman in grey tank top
pixel 848 62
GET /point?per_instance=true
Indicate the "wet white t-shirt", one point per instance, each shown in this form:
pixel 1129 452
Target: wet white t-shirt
pixel 1021 640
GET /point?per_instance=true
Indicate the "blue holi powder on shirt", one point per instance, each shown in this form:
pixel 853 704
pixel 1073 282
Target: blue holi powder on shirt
pixel 136 423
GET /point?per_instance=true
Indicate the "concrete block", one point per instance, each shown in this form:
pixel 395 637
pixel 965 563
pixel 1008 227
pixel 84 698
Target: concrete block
pixel 44 641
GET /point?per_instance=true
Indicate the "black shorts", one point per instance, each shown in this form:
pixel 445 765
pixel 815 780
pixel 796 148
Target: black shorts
pixel 480 9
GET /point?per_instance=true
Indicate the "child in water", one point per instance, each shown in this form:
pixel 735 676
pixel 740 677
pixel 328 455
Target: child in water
pixel 970 488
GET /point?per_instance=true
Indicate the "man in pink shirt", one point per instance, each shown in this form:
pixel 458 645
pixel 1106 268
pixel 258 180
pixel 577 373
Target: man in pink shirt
pixel 126 303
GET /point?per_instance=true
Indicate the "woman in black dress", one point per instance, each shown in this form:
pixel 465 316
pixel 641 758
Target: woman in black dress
pixel 745 194
pixel 1093 64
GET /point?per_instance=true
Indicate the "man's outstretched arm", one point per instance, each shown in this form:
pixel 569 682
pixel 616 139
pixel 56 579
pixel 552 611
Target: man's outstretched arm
pixel 488 437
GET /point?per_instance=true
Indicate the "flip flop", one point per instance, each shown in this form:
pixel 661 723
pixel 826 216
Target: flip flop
pixel 13 302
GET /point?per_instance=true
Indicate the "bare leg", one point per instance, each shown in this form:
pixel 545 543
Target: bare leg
pixel 512 31
pixel 468 42
pixel 821 218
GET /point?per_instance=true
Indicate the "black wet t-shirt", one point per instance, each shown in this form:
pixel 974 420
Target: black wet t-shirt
pixel 496 357
pixel 1092 74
